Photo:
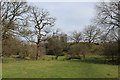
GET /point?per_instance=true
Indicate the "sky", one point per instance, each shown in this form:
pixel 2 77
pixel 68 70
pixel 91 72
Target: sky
pixel 70 16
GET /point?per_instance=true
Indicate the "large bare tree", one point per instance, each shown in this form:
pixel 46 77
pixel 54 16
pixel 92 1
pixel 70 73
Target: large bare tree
pixel 41 21
pixel 108 15
pixel 12 14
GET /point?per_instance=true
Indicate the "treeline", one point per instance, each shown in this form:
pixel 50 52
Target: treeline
pixel 58 45
pixel 27 31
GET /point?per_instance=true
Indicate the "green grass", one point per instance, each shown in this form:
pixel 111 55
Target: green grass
pixel 60 57
pixel 58 69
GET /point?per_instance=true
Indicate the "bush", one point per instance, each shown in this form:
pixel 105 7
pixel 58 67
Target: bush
pixel 78 50
pixel 110 51
pixel 14 56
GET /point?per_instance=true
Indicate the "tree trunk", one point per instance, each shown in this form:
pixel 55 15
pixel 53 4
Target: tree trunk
pixel 56 57
pixel 37 51
pixel 118 61
pixel 112 58
pixel 83 56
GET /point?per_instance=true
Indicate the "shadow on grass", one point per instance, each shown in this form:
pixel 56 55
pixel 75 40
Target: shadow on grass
pixel 96 61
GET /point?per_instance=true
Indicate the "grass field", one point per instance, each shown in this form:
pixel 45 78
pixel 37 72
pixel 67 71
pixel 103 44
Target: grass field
pixel 0 69
pixel 58 69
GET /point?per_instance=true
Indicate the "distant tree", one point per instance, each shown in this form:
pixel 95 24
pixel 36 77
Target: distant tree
pixel 91 34
pixel 76 36
pixel 110 52
pixel 55 45
pixel 64 39
pixel 78 50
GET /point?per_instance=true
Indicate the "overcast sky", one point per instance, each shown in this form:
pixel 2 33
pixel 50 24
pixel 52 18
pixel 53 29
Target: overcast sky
pixel 70 15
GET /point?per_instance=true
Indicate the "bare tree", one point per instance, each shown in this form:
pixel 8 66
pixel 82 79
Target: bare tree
pixel 11 17
pixel 112 36
pixel 76 36
pixel 12 14
pixel 108 14
pixel 103 38
pixel 91 34
pixel 41 21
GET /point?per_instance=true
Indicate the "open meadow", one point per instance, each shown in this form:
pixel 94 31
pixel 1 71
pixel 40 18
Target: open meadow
pixel 61 39
pixel 58 69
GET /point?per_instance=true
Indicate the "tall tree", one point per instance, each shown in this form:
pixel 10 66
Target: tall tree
pixel 108 14
pixel 41 23
pixel 12 14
